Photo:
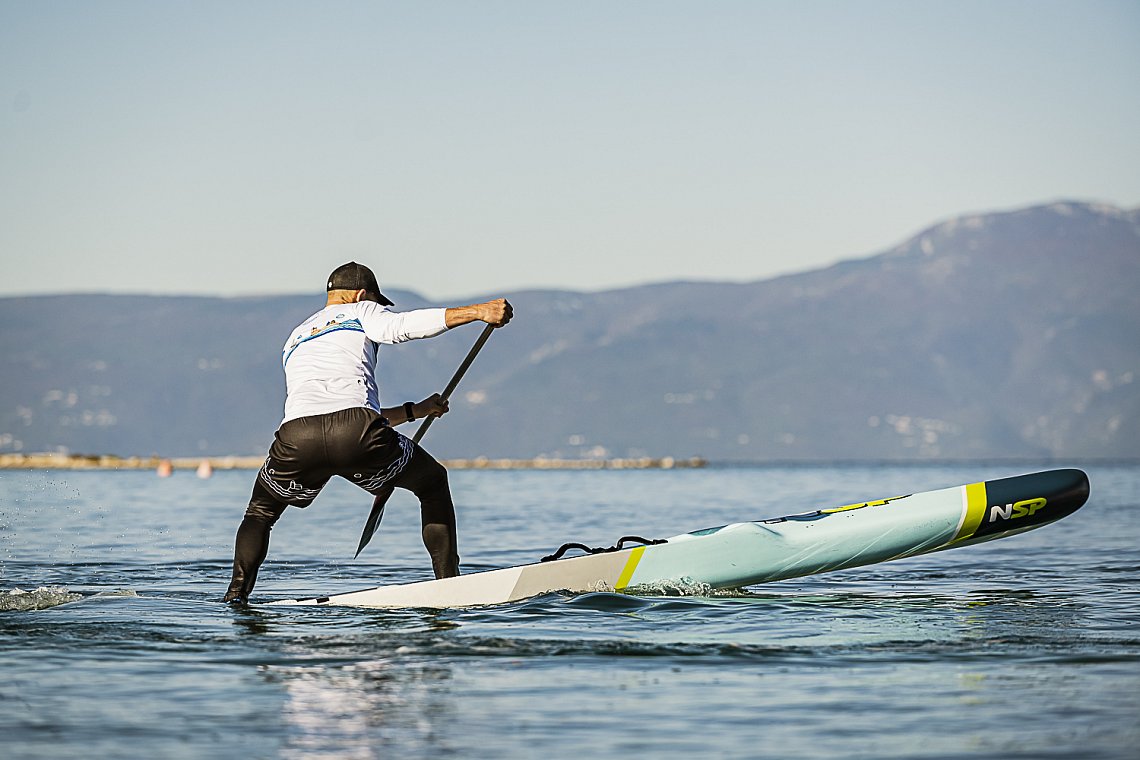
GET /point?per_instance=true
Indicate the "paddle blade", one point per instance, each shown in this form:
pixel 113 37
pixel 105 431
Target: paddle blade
pixel 374 518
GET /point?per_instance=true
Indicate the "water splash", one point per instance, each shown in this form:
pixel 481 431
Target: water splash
pixel 18 600
pixel 678 587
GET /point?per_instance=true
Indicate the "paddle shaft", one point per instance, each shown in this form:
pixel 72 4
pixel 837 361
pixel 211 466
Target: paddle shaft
pixel 456 378
pixel 377 512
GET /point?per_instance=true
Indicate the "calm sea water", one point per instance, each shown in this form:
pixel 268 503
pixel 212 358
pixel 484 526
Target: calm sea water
pixel 1026 647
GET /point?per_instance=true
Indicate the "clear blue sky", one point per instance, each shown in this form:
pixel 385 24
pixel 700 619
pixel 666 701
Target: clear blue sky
pixel 468 148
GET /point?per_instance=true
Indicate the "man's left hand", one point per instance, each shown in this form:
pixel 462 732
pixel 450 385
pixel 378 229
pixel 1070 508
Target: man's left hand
pixel 434 405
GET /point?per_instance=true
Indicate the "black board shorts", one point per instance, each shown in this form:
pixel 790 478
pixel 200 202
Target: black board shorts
pixel 357 444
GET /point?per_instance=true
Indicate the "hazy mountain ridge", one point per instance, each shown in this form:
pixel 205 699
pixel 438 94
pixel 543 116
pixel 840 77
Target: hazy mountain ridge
pixel 1013 334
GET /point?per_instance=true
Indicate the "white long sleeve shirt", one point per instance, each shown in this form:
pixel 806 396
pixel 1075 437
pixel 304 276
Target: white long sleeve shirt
pixel 330 358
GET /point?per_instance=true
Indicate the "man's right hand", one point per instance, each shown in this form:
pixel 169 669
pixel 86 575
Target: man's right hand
pixel 497 312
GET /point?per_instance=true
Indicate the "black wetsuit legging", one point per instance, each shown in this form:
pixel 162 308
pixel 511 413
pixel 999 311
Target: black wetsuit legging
pixel 358 445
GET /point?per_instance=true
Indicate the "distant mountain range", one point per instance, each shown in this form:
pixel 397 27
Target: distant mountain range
pixel 1004 335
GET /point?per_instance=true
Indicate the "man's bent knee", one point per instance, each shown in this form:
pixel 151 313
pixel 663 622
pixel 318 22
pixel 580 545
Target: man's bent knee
pixel 423 475
pixel 263 507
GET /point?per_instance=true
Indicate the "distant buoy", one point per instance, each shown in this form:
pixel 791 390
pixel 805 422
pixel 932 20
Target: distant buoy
pixel 205 469
pixel 165 469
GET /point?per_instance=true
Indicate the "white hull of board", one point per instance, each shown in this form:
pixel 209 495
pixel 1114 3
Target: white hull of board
pixel 743 554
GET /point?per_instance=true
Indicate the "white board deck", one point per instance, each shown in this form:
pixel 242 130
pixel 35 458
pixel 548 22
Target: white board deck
pixel 743 554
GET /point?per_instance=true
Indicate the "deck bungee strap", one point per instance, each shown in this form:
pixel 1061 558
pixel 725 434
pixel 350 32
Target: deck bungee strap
pixel 603 549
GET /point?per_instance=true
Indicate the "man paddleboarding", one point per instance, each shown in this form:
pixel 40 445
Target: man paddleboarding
pixel 334 425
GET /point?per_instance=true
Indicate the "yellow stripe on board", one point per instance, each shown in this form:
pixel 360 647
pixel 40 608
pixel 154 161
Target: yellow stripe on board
pixel 975 510
pixel 630 566
pixel 860 505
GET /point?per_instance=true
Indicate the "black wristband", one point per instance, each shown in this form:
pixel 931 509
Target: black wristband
pixel 410 411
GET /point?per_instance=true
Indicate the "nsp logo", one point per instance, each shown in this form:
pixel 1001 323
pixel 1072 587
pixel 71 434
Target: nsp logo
pixel 1017 509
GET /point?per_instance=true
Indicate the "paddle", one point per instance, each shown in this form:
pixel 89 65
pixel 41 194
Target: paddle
pixel 381 499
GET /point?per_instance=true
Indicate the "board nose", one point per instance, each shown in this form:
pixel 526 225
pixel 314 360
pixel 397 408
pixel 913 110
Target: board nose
pixel 1062 491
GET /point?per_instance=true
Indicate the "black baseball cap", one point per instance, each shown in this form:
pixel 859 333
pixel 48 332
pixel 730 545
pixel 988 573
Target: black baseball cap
pixel 353 276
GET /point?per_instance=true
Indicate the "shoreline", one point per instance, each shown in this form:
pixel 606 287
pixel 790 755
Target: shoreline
pixel 109 462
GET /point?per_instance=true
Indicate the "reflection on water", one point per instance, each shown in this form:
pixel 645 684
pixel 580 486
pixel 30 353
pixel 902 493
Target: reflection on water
pixel 364 709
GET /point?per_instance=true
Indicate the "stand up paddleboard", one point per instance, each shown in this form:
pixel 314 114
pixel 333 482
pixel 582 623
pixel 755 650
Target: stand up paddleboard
pixel 743 554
